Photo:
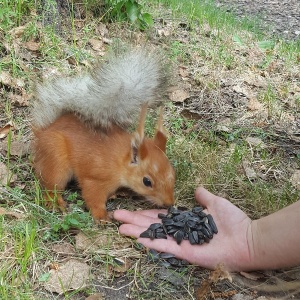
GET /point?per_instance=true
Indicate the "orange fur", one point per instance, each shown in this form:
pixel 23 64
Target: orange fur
pixel 102 161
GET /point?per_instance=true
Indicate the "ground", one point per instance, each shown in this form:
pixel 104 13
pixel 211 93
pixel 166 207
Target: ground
pixel 278 17
pixel 233 121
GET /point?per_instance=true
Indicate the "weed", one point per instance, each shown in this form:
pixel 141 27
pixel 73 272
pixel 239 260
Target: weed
pixel 216 49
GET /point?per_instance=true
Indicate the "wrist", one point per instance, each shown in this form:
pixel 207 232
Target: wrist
pixel 252 235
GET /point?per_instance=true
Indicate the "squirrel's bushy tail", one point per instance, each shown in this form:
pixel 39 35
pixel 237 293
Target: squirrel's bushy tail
pixel 112 92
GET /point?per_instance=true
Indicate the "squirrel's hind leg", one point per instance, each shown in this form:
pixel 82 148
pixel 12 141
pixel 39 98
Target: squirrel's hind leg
pixel 53 168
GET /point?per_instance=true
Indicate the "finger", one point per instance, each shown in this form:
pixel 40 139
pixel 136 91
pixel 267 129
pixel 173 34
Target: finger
pixel 130 217
pixel 204 197
pixel 153 213
pixel 131 230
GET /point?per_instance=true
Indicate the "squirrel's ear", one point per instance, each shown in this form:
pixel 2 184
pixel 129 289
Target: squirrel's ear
pixel 141 126
pixel 138 136
pixel 138 149
pixel 160 138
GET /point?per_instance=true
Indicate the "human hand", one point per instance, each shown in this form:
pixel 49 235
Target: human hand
pixel 231 246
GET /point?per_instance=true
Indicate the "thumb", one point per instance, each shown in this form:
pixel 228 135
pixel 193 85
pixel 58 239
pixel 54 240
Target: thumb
pixel 204 197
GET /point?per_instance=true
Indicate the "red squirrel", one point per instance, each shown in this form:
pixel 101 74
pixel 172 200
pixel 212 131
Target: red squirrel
pixel 80 128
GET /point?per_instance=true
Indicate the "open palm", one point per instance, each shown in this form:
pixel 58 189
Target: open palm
pixel 230 246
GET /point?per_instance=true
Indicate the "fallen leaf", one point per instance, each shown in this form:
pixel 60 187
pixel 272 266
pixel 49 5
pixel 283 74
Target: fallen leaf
pixel 178 95
pixel 6 177
pixel 32 46
pixel 107 41
pixel 4 212
pixel 18 149
pixel 242 90
pixel 17 31
pixel 71 275
pixel 5 78
pixel 19 100
pixel 5 130
pixel 183 72
pixel 176 278
pixel 90 243
pixel 163 32
pixel 295 179
pixel 99 242
pixel 255 142
pixel 121 266
pixel 255 80
pixel 101 29
pixel 72 61
pixel 249 171
pixel 96 44
pixel 252 275
pixel 215 276
pixel 253 104
pixel 63 248
pixel 190 115
pixel 97 296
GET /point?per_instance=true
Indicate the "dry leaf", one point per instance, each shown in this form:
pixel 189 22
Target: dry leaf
pixel 255 80
pixel 256 142
pixel 17 31
pixel 107 41
pixel 102 29
pixel 252 275
pixel 253 104
pixel 5 130
pixel 63 248
pixel 242 90
pixel 96 44
pixel 163 32
pixel 18 149
pixel 121 266
pixel 97 296
pixel 183 72
pixel 19 100
pixel 5 78
pixel 32 46
pixel 13 214
pixel 249 171
pixel 99 241
pixel 70 276
pixel 190 115
pixel 72 61
pixel 215 276
pixel 90 243
pixel 178 95
pixel 6 177
pixel 295 179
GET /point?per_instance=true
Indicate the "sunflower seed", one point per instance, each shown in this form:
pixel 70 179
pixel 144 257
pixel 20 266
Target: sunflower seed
pixel 212 223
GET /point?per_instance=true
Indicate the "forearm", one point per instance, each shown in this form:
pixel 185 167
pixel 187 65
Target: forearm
pixel 274 241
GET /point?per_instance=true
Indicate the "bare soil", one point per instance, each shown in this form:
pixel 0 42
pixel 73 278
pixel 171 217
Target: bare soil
pixel 277 17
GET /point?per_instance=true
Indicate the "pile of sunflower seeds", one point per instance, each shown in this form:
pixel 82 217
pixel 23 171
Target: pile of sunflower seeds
pixel 193 225
pixel 166 259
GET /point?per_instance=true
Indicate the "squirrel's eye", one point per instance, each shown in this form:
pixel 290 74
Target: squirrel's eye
pixel 147 182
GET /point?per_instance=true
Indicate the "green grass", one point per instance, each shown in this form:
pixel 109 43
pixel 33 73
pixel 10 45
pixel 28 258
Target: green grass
pixel 215 48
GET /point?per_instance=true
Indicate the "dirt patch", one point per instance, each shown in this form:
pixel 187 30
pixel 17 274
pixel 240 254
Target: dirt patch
pixel 277 17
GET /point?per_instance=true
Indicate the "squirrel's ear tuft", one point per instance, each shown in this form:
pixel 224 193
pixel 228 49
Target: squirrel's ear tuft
pixel 160 140
pixel 138 136
pixel 135 143
pixel 138 149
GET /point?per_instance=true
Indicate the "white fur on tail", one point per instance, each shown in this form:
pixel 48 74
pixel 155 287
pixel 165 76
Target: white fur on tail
pixel 112 93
